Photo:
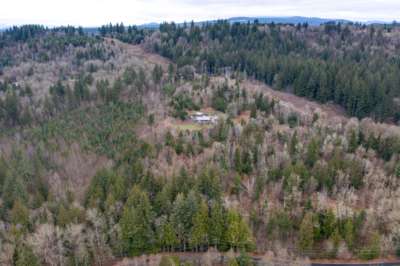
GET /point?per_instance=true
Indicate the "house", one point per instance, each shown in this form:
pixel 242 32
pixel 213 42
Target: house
pixel 201 118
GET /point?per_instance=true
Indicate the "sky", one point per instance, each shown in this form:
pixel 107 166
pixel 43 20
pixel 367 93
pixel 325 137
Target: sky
pixel 99 12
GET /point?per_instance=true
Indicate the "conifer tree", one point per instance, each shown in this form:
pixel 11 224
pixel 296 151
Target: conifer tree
pixel 238 233
pixel 199 233
pixel 306 234
pixel 136 223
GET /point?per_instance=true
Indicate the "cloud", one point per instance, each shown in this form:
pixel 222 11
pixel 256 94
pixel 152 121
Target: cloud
pixel 97 12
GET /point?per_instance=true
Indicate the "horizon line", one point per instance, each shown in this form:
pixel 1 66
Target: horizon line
pixel 5 25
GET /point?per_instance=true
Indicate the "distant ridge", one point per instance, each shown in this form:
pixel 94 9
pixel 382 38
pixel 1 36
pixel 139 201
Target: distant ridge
pixel 288 20
pixel 314 21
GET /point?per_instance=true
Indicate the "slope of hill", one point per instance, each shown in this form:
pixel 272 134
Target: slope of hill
pixel 354 66
pixel 101 158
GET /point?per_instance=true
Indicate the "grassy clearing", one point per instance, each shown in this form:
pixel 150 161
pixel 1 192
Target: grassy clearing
pixel 190 127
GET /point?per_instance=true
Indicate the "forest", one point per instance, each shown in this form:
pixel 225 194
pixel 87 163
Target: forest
pixel 100 160
pixel 352 65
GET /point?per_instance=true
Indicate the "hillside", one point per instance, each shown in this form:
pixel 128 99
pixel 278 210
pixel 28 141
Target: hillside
pixel 354 66
pixel 101 157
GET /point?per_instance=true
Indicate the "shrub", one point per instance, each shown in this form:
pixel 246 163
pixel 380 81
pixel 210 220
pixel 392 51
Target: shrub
pixel 293 120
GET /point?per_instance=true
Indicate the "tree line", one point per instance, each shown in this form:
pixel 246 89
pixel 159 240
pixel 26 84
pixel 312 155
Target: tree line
pixel 352 65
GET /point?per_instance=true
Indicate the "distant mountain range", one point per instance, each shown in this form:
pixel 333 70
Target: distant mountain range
pixel 287 20
pixel 278 20
pixel 314 21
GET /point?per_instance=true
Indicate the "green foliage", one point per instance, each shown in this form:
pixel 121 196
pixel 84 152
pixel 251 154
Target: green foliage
pixel 331 74
pixel 397 170
pixel 216 228
pixel 11 109
pixel 69 214
pixel 136 224
pixel 146 211
pixel 327 221
pixel 19 215
pixel 348 233
pixel 141 81
pixel 131 34
pixel 233 262
pixel 373 249
pixel 353 142
pixel 243 161
pixel 356 172
pixel 81 90
pixel 220 131
pixel 13 189
pixel 293 120
pixel 24 256
pixel 181 103
pixel 312 153
pixel 157 74
pixel 209 184
pixel 263 104
pixel 253 112
pixel 238 234
pixel 244 260
pixel 183 212
pixel 129 76
pixel 199 233
pixel 385 147
pixel 293 144
pixel 21 175
pixel 167 261
pixel 306 234
pixel 106 185
pixel 167 236
pixel 398 251
pixel 169 89
pixel 105 129
pixel 280 225
pixel 220 98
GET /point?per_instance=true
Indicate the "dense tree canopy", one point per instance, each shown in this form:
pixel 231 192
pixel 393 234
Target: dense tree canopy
pixel 352 65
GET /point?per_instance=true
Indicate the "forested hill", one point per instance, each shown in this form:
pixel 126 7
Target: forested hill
pixel 103 155
pixel 355 66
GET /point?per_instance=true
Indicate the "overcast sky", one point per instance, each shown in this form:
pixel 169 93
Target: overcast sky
pixel 98 12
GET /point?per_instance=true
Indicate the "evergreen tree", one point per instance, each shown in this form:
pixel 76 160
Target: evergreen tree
pixel 11 108
pixel 129 76
pixel 14 189
pixel 199 234
pixel 306 234
pixel 20 214
pixel 183 212
pixel 348 233
pixel 238 233
pixel 136 224
pixel 209 184
pixel 157 74
pixel 293 144
pixel 24 256
pixel 216 228
pixel 353 143
pixel 168 236
pixel 312 153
